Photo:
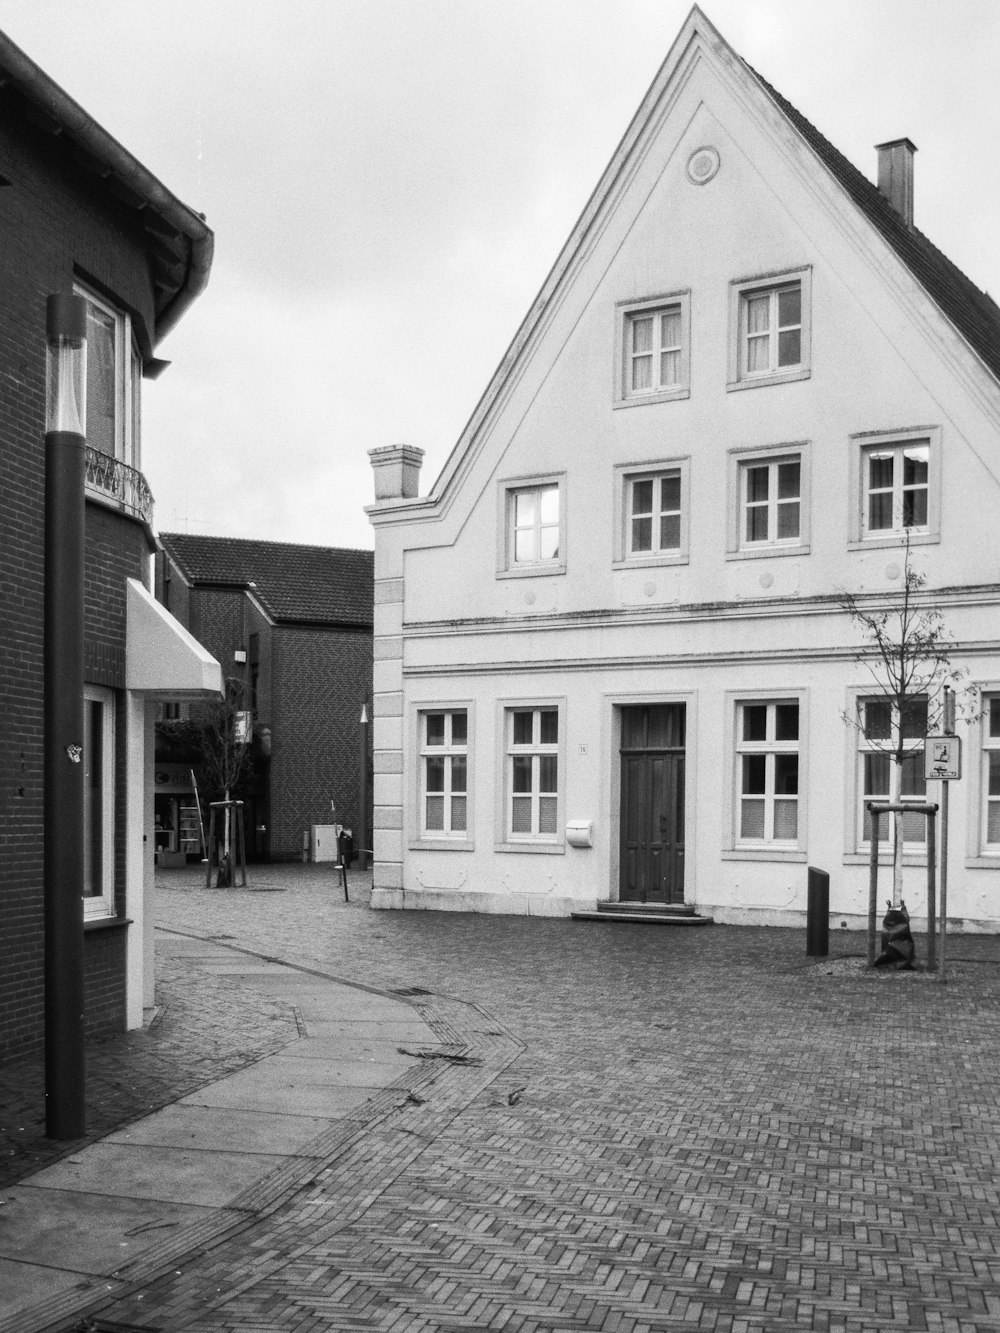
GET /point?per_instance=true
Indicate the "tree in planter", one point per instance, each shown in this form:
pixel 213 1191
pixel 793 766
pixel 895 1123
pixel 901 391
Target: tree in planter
pixel 225 759
pixel 907 655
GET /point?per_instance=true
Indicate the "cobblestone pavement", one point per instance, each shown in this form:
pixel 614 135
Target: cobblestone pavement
pixel 659 1129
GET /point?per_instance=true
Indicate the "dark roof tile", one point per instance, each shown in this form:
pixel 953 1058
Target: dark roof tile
pixel 321 585
pixel 974 313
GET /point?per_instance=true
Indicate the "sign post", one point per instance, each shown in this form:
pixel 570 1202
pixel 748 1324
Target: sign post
pixel 943 763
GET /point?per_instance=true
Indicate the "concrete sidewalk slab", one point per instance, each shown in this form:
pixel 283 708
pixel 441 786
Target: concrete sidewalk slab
pixel 210 1128
pixel 82 1233
pixel 154 1171
pixel 182 1168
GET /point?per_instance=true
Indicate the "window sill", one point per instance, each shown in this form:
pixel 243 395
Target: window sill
pixel 885 859
pixel 109 922
pixel 442 845
pixel 532 571
pixel 764 854
pixel 897 539
pixel 767 552
pixel 762 381
pixel 646 399
pixel 985 861
pixel 651 561
pixel 532 848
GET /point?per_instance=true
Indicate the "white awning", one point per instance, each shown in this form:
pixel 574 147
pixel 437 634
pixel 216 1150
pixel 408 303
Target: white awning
pixel 162 660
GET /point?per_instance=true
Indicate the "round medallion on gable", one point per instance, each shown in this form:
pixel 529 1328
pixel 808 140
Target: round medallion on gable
pixel 703 164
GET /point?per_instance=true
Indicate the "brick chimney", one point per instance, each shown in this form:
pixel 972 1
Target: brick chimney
pixel 895 175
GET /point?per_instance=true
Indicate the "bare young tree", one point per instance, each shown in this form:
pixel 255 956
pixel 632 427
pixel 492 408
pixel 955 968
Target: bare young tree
pixel 225 759
pixel 907 655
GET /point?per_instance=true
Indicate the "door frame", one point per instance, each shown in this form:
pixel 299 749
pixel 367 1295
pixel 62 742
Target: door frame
pixel 614 704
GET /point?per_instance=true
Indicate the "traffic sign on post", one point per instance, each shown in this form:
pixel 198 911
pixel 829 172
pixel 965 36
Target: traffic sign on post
pixel 942 758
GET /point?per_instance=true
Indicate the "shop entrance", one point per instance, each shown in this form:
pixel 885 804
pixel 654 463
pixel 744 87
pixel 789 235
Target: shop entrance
pixel 652 804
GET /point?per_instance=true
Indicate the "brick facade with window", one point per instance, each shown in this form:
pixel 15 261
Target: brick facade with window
pixel 63 222
pixel 302 617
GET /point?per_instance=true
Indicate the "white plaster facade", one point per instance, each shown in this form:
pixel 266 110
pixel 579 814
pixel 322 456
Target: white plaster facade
pixel 713 187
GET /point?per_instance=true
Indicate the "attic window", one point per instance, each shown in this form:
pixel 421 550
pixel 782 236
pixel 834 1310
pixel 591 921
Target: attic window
pixel 770 338
pixel 653 350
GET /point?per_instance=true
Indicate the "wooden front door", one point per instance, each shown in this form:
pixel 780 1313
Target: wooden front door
pixel 652 804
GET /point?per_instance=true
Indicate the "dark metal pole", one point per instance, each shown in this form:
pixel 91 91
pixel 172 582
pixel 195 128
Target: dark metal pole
pixel 363 829
pixel 65 1116
pixel 872 883
pixel 932 891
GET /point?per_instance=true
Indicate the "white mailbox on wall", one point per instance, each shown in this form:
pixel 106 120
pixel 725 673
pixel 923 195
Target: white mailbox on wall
pixel 580 833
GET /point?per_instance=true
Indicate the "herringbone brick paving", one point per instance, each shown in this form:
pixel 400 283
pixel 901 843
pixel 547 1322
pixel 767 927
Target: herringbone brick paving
pixel 699 1131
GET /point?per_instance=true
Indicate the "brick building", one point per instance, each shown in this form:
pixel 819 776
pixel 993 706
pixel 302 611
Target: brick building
pixel 292 626
pixel 79 214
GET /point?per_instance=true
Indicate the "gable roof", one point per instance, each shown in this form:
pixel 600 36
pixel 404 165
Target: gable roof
pixel 974 313
pixel 313 585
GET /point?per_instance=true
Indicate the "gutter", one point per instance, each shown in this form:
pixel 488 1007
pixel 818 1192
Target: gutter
pixel 29 79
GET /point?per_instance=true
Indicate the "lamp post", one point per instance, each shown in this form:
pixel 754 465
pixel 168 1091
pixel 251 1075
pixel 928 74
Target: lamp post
pixel 363 830
pixel 65 418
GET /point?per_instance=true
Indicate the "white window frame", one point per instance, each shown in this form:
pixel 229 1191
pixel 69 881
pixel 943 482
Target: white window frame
pixel 913 851
pixel 654 307
pixel 128 375
pixel 769 284
pixel 861 537
pixel 102 903
pixel 740 461
pixel 625 477
pixel 508 491
pixel 534 840
pixel 988 745
pixel 449 751
pixel 768 847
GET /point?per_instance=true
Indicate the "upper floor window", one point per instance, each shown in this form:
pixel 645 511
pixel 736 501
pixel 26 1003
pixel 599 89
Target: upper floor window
pixel 651 513
pixel 654 351
pixel 769 501
pixel 771 318
pixel 532 525
pixel 655 513
pixel 896 487
pixel 114 373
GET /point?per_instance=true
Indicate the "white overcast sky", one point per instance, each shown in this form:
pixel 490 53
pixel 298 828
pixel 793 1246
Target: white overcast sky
pixel 389 182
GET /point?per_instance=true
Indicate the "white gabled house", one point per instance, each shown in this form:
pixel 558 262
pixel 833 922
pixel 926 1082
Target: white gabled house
pixel 611 662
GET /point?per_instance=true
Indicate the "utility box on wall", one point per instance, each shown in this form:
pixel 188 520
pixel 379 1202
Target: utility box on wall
pixel 324 842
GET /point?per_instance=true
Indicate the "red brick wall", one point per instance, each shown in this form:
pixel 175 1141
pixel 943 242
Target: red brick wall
pixel 57 223
pixel 321 679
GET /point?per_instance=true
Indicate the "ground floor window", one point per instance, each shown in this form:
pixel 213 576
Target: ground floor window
pixel 532 773
pixel 991 775
pixel 98 801
pixel 879 724
pixel 767 758
pixel 444 770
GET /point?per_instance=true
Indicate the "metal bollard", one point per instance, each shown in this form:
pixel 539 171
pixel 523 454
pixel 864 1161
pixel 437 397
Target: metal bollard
pixel 818 913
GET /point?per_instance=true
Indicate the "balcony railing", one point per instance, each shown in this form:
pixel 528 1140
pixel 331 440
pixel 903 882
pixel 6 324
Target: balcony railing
pixel 124 486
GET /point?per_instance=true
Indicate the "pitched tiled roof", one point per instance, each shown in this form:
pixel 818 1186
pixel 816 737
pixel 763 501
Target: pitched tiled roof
pixel 973 312
pixel 319 585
